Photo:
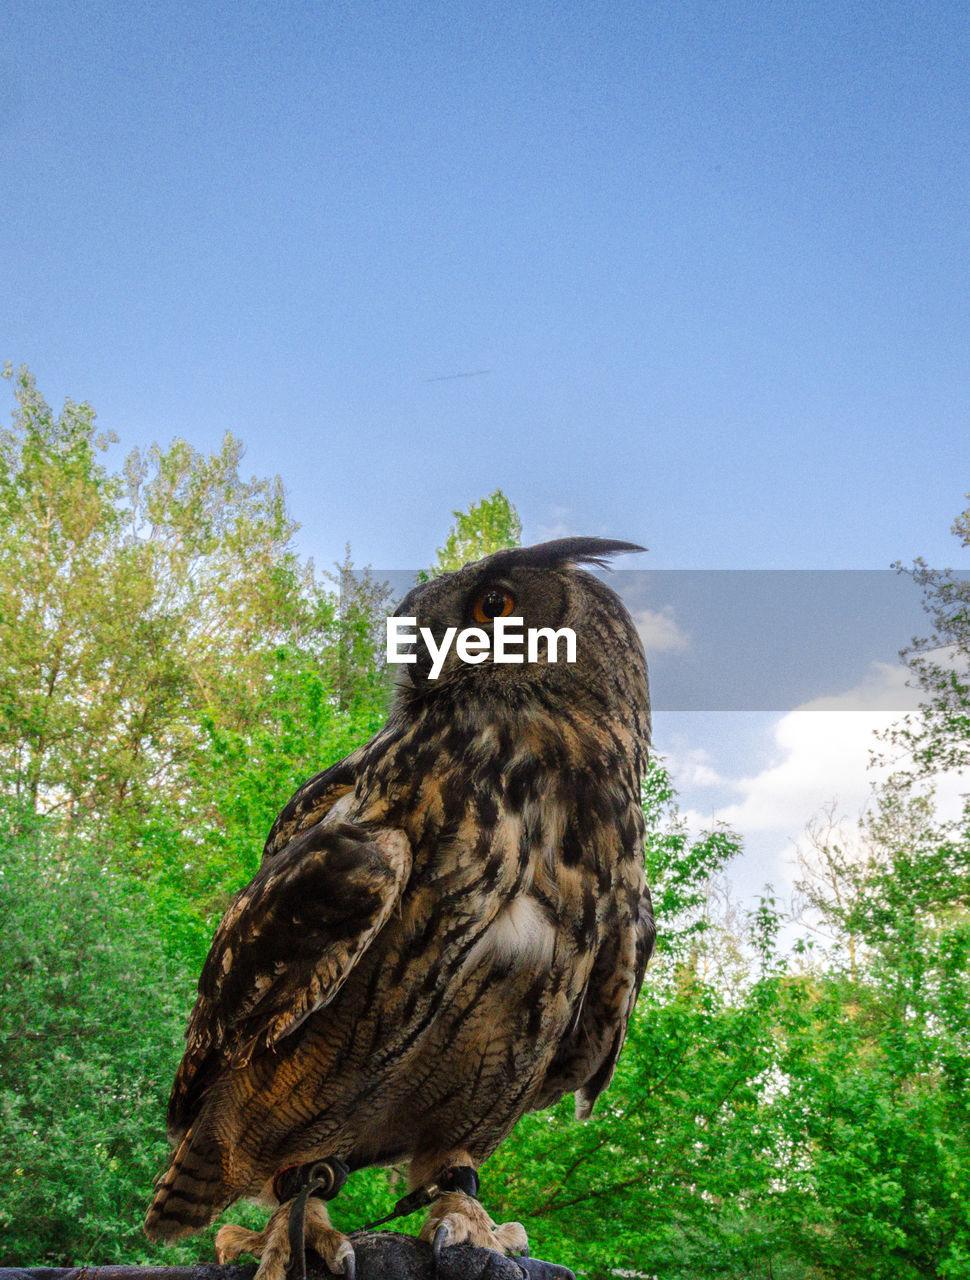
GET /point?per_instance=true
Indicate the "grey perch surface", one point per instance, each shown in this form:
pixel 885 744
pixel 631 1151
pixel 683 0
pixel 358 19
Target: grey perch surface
pixel 381 1255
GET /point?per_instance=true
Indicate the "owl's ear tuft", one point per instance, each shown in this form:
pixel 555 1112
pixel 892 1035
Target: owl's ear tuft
pixel 561 552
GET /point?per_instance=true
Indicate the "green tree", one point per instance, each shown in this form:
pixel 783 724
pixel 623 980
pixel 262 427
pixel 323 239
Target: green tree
pixel 873 1101
pixel 64 599
pixel 93 1004
pixel 487 526
pixel 937 738
pixel 873 1097
pixel 90 1019
pixel 157 624
pixel 299 721
pixel 172 672
pixel 126 603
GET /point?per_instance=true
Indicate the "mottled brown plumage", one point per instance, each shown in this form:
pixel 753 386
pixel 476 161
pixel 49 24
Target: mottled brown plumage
pixel 449 927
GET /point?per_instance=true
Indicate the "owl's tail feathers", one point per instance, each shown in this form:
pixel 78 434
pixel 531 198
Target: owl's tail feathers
pixel 190 1193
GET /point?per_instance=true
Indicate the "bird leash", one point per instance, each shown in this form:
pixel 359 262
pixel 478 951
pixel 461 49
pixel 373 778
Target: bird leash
pixel 325 1178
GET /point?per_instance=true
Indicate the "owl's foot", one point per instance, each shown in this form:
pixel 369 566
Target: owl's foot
pixel 272 1245
pixel 457 1218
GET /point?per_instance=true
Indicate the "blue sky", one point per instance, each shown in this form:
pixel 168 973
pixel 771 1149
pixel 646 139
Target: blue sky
pixel 713 257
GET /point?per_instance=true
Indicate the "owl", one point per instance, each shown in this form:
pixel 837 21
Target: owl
pixel 448 929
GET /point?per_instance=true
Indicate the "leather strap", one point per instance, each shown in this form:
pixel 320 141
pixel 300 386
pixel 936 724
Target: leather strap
pixel 459 1177
pixel 323 1179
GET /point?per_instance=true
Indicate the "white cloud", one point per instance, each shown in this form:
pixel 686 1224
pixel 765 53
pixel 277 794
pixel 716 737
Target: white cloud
pixel 822 755
pixel 557 525
pixel 885 687
pixel 692 767
pixel 659 630
pixel 820 760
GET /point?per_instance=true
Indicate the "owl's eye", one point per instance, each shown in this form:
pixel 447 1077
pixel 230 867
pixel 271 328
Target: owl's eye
pixel 493 602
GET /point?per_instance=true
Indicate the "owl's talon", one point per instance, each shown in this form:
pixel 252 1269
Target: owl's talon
pixel 272 1245
pixel 457 1218
pixel 442 1236
pixel 333 1246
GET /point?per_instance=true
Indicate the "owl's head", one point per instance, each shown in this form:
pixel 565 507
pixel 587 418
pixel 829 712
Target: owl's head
pixel 543 586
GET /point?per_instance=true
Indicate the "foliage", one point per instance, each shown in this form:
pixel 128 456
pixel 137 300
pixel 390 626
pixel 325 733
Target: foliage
pixel 937 739
pixel 59 582
pixel 873 1059
pixel 165 645
pixel 306 710
pixel 91 1024
pixel 173 672
pixel 875 1088
pixel 487 526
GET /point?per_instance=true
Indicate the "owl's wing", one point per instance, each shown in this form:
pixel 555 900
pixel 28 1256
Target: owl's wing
pixel 285 947
pixel 587 1057
pixel 312 802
